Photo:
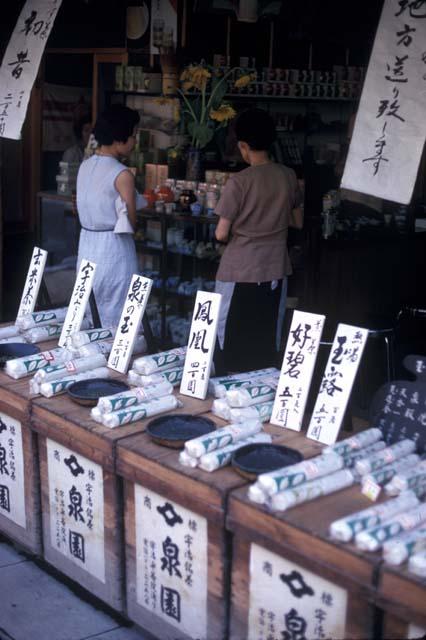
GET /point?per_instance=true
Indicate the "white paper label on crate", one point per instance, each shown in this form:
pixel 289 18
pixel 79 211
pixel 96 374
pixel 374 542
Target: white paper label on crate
pixel 288 601
pixel 337 382
pixel 297 369
pixel 390 127
pixel 21 62
pixel 33 281
pixel 415 632
pixel 171 562
pixel 79 298
pixel 76 499
pixel 130 321
pixel 12 481
pixel 201 344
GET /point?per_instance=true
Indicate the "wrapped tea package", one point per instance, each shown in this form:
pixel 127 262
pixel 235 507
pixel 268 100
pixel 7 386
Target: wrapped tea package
pixel 311 490
pixel 53 388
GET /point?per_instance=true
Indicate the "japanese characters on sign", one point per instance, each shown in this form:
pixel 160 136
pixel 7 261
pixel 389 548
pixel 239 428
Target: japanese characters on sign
pixel 33 282
pixel 79 298
pixel 336 385
pixel 390 127
pixel 130 321
pixel 202 338
pixel 288 602
pixel 12 484
pixel 171 569
pixel 76 498
pixel 21 62
pixel 297 369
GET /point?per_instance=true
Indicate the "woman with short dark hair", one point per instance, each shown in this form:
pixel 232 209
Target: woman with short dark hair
pixel 103 185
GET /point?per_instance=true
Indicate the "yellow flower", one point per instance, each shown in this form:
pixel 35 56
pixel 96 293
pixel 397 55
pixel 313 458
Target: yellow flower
pixel 187 86
pixel 243 81
pixel 198 76
pixel 224 112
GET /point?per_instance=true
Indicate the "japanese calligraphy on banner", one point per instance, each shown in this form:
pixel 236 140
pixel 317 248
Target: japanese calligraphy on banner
pixel 76 499
pixel 21 62
pixel 33 281
pixel 288 601
pixel 201 344
pixel 336 385
pixel 163 25
pixel 171 562
pixel 390 126
pixel 297 369
pixel 130 321
pixel 79 298
pixel 12 483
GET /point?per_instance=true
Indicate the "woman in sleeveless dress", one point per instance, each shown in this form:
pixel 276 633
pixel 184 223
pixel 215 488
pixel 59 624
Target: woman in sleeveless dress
pixel 101 179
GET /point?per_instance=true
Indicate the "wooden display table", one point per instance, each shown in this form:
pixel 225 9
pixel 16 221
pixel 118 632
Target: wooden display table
pixel 20 516
pixel 402 598
pixel 290 580
pixel 81 493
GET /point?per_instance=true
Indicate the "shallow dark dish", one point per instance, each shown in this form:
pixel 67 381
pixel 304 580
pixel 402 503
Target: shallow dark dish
pixel 254 459
pixel 173 430
pixel 88 392
pixel 11 350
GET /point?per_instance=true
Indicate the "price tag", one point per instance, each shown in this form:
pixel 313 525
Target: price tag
pixel 371 489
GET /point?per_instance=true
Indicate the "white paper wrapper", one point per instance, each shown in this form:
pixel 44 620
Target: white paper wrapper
pixel 160 361
pixel 9 332
pixel 351 459
pixel 296 474
pixel 40 318
pixel 222 437
pixel 13 339
pixel 385 474
pixel 92 348
pixel 38 334
pixel 96 415
pixel 187 461
pixel 140 411
pixel 252 394
pixel 80 338
pixel 174 376
pixel 262 412
pixel 21 367
pixel 219 385
pixel 256 494
pixel 221 457
pixel 386 456
pixel 311 490
pixel 120 401
pixel 417 564
pixel 222 409
pixel 373 539
pixel 346 528
pixel 407 479
pixel 34 387
pixel 355 443
pixel 69 368
pixel 54 388
pixel 401 548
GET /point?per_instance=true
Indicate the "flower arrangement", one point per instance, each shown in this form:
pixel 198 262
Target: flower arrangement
pixel 203 90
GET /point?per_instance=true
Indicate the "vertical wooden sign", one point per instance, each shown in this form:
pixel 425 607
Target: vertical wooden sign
pixel 79 298
pixel 33 282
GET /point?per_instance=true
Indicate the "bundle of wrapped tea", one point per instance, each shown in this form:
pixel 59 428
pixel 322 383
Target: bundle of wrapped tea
pixel 9 331
pixel 64 369
pixel 372 539
pixel 81 338
pixel 407 479
pixel 262 412
pixel 13 339
pixel 25 366
pixel 222 457
pixel 417 564
pixel 346 528
pixel 92 348
pixel 311 490
pixel 355 443
pixel 221 409
pixel 53 388
pixel 385 474
pixel 352 458
pixel 222 437
pixel 40 318
pixel 220 385
pixel 252 394
pixel 398 550
pixel 140 411
pixel 39 334
pixel 159 362
pixel 126 399
pixel 174 376
pixel 384 457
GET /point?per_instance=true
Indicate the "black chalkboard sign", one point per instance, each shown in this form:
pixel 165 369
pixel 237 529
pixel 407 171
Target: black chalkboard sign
pixel 399 407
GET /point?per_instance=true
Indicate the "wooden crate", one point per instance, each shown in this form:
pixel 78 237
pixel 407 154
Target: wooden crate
pixel 289 577
pixel 20 515
pixel 78 457
pixel 402 599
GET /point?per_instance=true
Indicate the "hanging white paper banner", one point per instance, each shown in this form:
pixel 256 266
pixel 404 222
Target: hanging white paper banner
pixel 336 385
pixel 21 62
pixel 297 369
pixel 390 126
pixel 130 321
pixel 202 338
pixel 80 296
pixel 33 282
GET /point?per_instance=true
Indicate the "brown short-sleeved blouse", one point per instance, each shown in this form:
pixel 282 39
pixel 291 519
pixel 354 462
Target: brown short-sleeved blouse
pixel 258 201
